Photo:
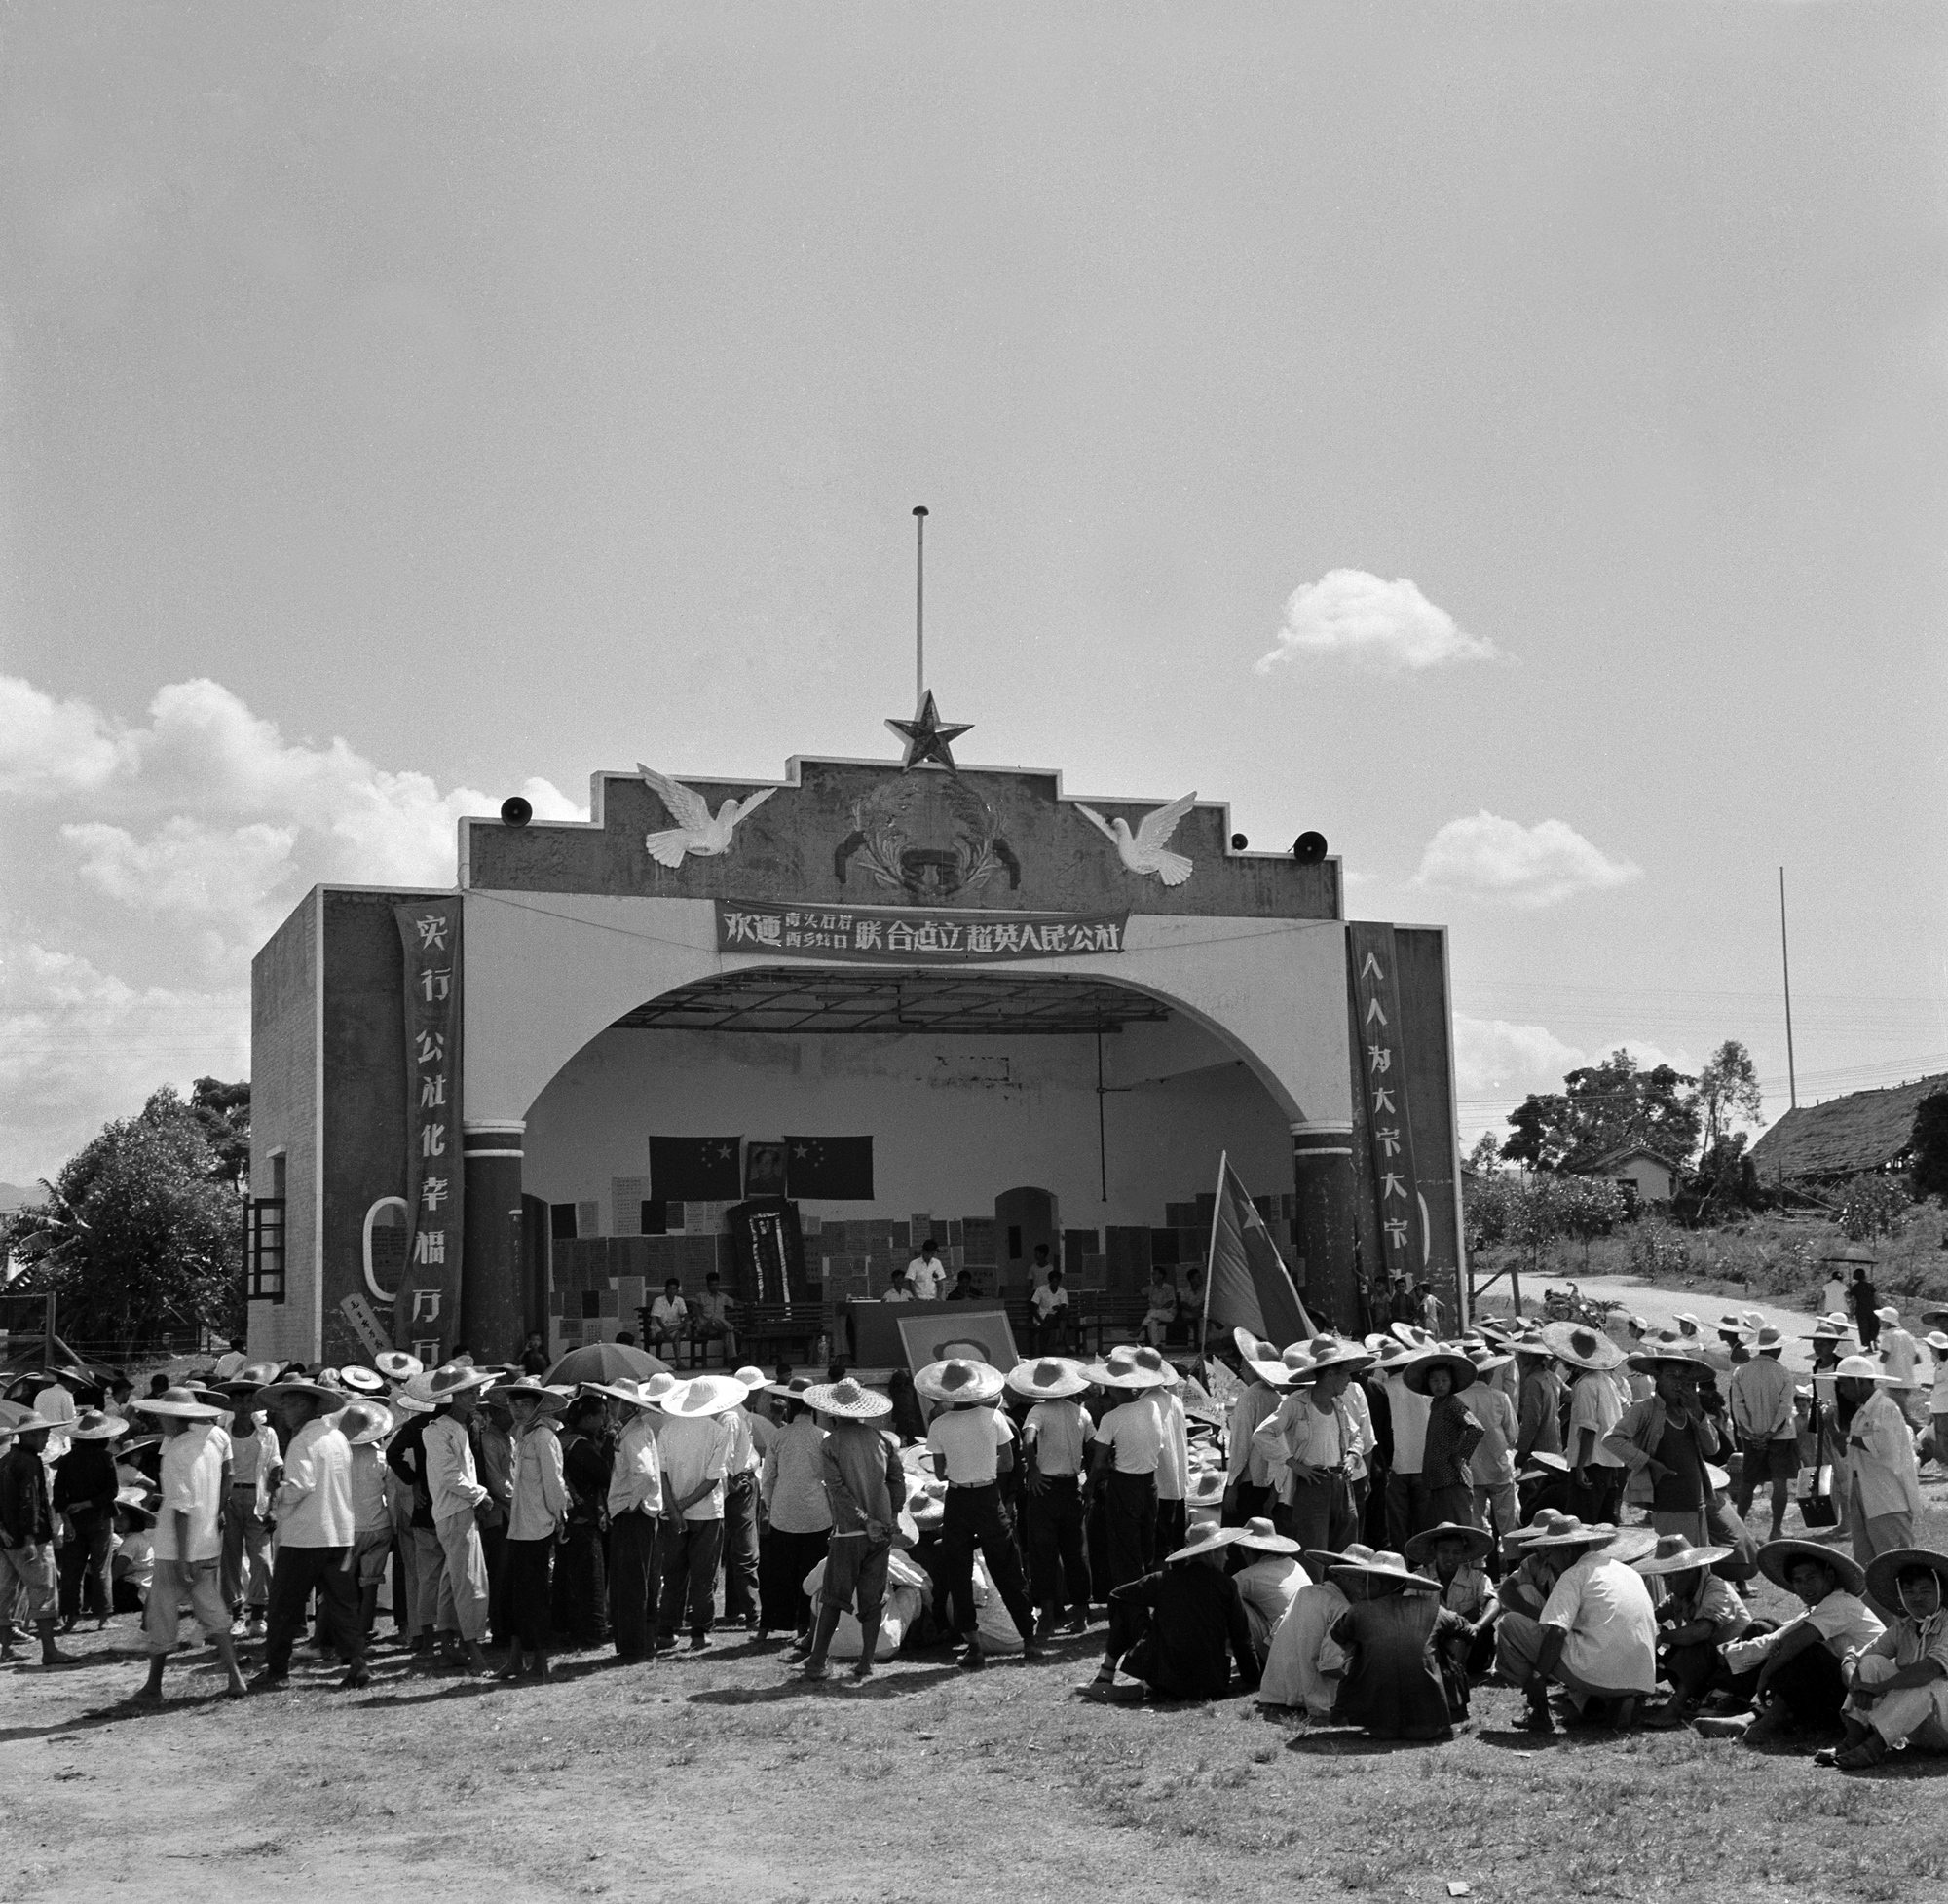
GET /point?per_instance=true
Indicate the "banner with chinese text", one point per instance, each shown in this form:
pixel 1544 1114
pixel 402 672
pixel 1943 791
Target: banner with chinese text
pixel 1381 1064
pixel 910 935
pixel 427 1310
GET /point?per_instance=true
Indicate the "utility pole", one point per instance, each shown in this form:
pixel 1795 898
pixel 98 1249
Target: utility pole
pixel 919 604
pixel 1785 968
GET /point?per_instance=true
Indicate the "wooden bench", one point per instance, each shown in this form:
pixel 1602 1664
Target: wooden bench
pixel 766 1333
pixel 1106 1317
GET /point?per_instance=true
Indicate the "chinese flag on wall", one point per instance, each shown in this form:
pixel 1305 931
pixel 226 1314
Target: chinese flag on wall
pixel 697 1170
pixel 834 1168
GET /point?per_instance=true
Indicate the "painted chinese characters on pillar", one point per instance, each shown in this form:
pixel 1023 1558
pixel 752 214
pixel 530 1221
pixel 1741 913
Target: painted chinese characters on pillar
pixel 1381 1066
pixel 427 1310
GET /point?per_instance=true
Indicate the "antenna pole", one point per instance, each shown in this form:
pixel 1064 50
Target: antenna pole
pixel 919 604
pixel 1786 969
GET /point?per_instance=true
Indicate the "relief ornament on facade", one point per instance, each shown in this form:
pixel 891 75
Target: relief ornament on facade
pixel 695 832
pixel 1146 850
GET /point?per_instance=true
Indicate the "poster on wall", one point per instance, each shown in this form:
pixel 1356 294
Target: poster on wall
pixel 914 936
pixel 972 1336
pixel 427 1310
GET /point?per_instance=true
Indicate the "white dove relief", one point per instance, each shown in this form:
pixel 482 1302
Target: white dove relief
pixel 1146 850
pixel 695 832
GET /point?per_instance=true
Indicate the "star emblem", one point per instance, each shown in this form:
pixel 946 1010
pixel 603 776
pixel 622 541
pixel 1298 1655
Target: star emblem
pixel 927 739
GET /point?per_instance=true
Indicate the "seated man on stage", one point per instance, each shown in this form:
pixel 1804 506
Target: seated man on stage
pixel 669 1319
pixel 1050 1304
pixel 712 1318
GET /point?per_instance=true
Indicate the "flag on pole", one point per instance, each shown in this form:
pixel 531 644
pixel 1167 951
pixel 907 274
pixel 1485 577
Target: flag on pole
pixel 1247 1284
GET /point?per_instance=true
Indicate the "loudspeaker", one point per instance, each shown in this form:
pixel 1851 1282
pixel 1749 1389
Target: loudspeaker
pixel 515 811
pixel 1309 849
pixel 1239 843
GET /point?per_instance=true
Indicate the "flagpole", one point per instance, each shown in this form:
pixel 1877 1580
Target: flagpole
pixel 1210 1250
pixel 919 604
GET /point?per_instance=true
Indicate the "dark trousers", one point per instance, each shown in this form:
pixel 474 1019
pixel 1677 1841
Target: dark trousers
pixel 1449 1504
pixel 1600 1497
pixel 1243 1502
pixel 299 1572
pixel 1406 1508
pixel 783 1561
pixel 1320 1515
pixel 1056 1558
pixel 526 1589
pixel 1809 1685
pixel 975 1517
pixel 493 1551
pixel 581 1597
pixel 1173 1517
pixel 1129 1529
pixel 1693 1670
pixel 84 1564
pixel 689 1566
pixel 632 1583
pixel 740 1547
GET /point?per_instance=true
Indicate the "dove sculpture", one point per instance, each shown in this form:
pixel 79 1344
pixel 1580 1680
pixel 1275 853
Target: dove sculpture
pixel 1146 850
pixel 695 832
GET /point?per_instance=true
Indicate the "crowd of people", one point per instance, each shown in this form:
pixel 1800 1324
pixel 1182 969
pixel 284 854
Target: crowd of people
pixel 1359 1532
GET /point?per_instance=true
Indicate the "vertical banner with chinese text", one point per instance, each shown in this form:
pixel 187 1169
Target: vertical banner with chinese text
pixel 426 1312
pixel 1380 1062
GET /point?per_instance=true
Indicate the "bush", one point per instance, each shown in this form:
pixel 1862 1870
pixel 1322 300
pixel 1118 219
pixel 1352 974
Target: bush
pixel 1874 1206
pixel 1658 1253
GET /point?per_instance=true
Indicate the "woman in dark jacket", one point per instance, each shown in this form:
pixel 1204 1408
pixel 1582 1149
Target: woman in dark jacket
pixel 83 1493
pixel 580 1574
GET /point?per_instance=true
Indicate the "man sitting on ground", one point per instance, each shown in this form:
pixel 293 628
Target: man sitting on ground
pixel 1175 1632
pixel 1698 1615
pixel 1597 1635
pixel 1899 1692
pixel 1794 1673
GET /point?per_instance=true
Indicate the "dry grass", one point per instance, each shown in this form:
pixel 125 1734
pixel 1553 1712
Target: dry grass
pixel 723 1776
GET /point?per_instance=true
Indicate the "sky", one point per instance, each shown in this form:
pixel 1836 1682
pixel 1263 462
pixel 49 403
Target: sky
pixel 1506 439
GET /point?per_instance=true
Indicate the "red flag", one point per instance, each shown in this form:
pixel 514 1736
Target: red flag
pixel 1247 1285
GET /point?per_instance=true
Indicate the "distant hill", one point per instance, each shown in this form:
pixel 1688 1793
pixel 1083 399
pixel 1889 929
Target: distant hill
pixel 14 1195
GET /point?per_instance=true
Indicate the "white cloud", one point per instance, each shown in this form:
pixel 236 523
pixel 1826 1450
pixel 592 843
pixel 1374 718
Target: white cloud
pixel 1521 866
pixel 1497 1063
pixel 152 858
pixel 1389 625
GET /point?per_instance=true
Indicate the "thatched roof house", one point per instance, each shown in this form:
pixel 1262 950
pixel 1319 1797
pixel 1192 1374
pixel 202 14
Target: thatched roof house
pixel 1865 1131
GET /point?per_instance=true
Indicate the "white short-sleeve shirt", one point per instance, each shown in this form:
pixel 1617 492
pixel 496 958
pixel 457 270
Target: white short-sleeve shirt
pixel 970 1441
pixel 1606 1611
pixel 192 1478
pixel 1135 1434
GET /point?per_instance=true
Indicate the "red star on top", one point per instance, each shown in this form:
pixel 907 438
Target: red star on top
pixel 927 739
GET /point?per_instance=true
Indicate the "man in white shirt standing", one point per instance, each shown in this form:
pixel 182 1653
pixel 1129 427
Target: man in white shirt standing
pixel 56 1404
pixel 741 1508
pixel 1763 1419
pixel 697 1441
pixel 188 1540
pixel 1058 1431
pixel 1596 1472
pixel 635 1515
pixel 314 1521
pixel 1123 1465
pixel 926 1274
pixel 458 1499
pixel 972 1445
pixel 1900 1356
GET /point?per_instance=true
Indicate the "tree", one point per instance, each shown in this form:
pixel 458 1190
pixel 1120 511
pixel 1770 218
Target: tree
pixel 1604 1108
pixel 1728 1092
pixel 1874 1206
pixel 1928 1172
pixel 1485 1155
pixel 139 1234
pixel 1588 1207
pixel 224 1112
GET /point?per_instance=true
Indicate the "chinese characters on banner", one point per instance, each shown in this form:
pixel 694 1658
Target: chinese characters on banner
pixel 1381 1061
pixel 427 1307
pixel 911 935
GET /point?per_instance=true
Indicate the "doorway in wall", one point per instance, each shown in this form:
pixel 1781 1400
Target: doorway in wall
pixel 1024 1217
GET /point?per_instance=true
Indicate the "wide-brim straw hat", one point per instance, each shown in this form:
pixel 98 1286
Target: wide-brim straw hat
pixel 1531 1344
pixel 1937 1341
pixel 648 1393
pixel 26 1425
pixel 1328 1351
pixel 1776 1559
pixel 1261 1537
pixel 1129 1369
pixel 752 1376
pixel 1568 1531
pixel 360 1380
pixel 396 1366
pixel 1541 1467
pixel 1581 1346
pixel 1458 1366
pixel 1884 1572
pixel 1864 1368
pixel 1938 1317
pixel 531 1388
pixel 455 1378
pixel 1410 1335
pixel 1258 1355
pixel 1647 1360
pixel 1356 1579
pixel 959 1379
pixel 177 1402
pixel 791 1390
pixel 848 1400
pixel 1205 1540
pixel 1490 1362
pixel 1053 1378
pixel 92 1424
pixel 136 1502
pixel 1480 1541
pixel 1768 1341
pixel 1320 1561
pixel 1716 1478
pixel 1888 1313
pixel 1392 1356
pixel 703 1395
pixel 364 1422
pixel 1674 1554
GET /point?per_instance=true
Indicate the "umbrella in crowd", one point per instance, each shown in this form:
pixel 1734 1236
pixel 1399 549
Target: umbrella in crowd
pixel 606 1362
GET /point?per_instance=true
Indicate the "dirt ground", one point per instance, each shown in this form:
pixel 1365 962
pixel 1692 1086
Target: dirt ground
pixel 722 1775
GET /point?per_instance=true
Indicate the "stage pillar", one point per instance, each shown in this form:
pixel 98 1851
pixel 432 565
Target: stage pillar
pixel 493 1301
pixel 1322 1168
